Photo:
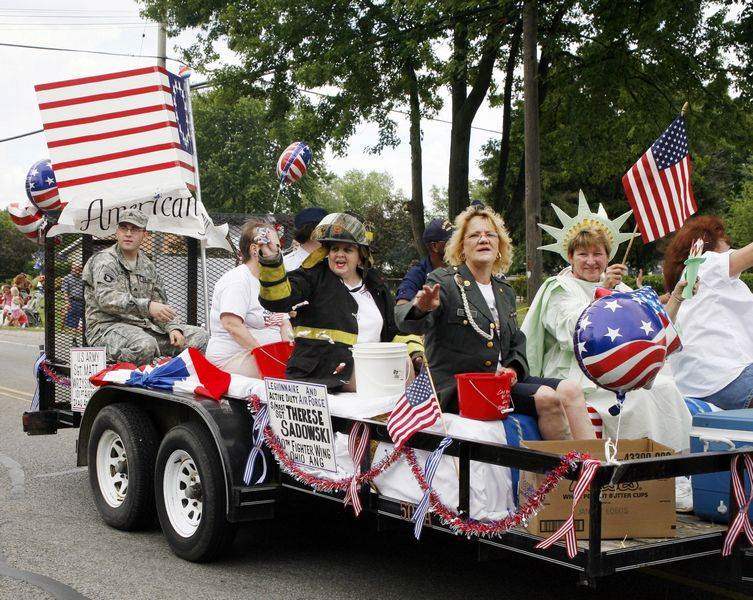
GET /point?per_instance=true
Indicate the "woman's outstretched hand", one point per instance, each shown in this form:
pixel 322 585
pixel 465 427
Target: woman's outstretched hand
pixel 427 298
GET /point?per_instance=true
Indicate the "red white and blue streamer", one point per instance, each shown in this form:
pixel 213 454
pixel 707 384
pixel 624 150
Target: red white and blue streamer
pixel 358 442
pixel 432 463
pixel 741 522
pixel 567 529
pixel 257 435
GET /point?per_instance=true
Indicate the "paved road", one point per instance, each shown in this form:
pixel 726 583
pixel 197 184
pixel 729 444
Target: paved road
pixel 53 544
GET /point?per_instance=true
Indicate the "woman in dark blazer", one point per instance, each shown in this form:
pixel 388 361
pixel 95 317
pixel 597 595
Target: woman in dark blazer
pixel 467 314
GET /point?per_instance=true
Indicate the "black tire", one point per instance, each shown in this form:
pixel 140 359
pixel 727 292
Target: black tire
pixel 214 534
pixel 139 438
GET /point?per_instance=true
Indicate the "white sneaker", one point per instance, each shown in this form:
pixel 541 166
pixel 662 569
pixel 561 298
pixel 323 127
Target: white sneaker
pixel 683 495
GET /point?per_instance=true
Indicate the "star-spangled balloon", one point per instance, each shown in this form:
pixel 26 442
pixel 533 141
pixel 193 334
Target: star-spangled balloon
pixel 621 340
pixel 27 219
pixel 41 186
pixel 293 163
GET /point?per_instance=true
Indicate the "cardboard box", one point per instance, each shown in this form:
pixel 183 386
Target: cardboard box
pixel 633 510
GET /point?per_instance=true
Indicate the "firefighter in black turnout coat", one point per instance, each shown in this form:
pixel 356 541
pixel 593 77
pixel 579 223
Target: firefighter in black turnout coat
pixel 323 294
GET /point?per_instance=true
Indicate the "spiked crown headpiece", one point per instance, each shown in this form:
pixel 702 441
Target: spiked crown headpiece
pixel 585 219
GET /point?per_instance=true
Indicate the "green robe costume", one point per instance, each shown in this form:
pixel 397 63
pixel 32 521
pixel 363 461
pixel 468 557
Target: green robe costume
pixel 659 413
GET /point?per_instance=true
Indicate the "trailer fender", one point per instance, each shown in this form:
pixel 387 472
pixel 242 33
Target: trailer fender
pixel 228 422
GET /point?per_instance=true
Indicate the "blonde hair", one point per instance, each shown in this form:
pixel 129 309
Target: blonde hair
pixel 453 253
pixel 589 237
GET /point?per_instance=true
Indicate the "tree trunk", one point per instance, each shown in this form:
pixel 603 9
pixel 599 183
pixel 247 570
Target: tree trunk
pixel 417 193
pixel 457 182
pixel 465 105
pixel 504 147
pixel 534 265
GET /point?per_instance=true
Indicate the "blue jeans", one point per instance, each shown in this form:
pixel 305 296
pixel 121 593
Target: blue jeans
pixel 737 394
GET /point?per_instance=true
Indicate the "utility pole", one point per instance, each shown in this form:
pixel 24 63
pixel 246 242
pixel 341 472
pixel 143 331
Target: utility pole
pixel 534 265
pixel 162 45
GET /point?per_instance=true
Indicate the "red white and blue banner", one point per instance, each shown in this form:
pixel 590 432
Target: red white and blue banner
pixel 189 372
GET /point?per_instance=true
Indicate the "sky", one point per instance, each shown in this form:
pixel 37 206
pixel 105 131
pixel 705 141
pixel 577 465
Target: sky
pixel 115 26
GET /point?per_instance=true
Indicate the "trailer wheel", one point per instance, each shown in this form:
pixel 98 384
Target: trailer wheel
pixel 190 492
pixel 121 451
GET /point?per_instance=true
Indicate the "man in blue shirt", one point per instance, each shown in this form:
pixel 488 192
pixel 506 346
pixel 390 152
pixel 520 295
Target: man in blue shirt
pixel 436 234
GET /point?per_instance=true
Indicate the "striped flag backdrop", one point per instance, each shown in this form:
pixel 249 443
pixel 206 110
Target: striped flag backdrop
pixel 120 140
pixel 658 186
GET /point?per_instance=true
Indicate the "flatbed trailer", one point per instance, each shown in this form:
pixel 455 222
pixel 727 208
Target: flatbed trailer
pixel 131 438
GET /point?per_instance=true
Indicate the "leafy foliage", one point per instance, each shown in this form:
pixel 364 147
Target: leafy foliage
pixel 239 140
pixel 15 250
pixel 372 196
pixel 618 73
pixel 740 217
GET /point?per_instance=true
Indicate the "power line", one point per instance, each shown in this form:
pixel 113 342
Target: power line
pixel 28 46
pixel 21 135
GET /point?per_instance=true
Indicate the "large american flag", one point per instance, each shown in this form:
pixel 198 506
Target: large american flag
pixel 658 186
pixel 417 409
pixel 119 131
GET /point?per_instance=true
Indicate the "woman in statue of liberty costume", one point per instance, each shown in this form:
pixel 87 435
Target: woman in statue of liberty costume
pixel 588 241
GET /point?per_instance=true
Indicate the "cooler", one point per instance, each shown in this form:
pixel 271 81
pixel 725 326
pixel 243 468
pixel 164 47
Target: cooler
pixel 717 432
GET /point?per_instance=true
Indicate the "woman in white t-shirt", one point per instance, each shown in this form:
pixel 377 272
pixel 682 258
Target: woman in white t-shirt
pixel 238 322
pixel 716 325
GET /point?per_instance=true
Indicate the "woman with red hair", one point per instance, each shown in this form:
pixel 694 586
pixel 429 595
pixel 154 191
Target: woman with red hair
pixel 716 362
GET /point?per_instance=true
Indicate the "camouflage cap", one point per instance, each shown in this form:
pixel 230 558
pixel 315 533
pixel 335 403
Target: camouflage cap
pixel 133 216
pixel 341 227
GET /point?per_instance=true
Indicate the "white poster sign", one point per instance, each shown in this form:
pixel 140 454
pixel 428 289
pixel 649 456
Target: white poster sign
pixel 85 362
pixel 299 417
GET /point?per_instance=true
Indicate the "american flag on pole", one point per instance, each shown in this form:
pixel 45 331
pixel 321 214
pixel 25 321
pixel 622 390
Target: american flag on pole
pixel 417 409
pixel 121 140
pixel 658 186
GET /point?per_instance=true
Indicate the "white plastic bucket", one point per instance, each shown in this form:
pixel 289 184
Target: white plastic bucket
pixel 380 368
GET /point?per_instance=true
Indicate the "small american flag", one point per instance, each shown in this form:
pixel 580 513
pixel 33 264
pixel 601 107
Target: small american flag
pixel 417 409
pixel 658 186
pixel 119 130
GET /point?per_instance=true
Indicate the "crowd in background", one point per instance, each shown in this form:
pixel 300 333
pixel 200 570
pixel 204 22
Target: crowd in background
pixel 21 301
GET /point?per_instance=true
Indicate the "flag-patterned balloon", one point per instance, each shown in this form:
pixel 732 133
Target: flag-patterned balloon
pixel 27 219
pixel 622 340
pixel 293 163
pixel 41 186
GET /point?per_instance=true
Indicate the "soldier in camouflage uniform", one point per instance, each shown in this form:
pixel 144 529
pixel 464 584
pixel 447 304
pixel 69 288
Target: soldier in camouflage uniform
pixel 126 305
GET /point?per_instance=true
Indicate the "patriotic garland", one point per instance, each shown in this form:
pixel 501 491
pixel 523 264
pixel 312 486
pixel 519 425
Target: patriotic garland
pixel 473 528
pixel 457 523
pixel 53 376
pixel 322 484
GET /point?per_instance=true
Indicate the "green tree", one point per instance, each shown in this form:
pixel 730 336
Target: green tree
pixel 372 196
pixel 15 250
pixel 613 75
pixel 239 139
pixel 740 216
pixel 374 55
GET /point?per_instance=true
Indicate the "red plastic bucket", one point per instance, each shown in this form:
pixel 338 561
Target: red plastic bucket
pixel 272 359
pixel 484 396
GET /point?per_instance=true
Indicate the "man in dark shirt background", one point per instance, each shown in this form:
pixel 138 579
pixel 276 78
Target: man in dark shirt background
pixel 435 237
